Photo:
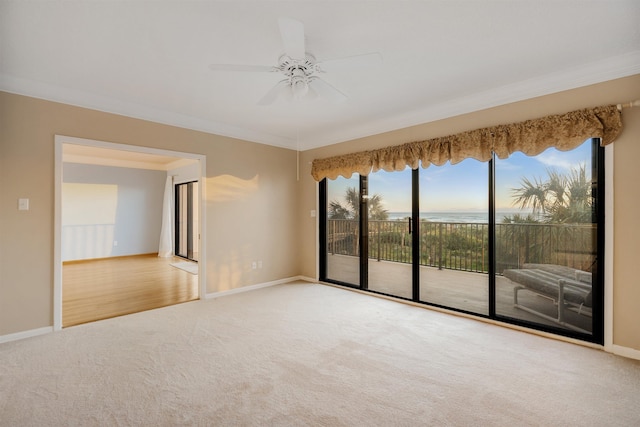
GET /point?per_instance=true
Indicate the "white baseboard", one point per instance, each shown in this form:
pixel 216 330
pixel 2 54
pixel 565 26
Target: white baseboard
pixel 48 329
pixel 307 279
pixel 631 353
pixel 26 334
pixel 618 350
pixel 252 287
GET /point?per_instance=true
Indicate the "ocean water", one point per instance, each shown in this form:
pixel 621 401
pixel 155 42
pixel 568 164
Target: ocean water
pixel 457 216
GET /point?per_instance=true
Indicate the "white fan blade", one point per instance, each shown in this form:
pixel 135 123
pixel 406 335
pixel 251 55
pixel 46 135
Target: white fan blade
pixel 351 62
pixel 312 94
pixel 272 95
pixel 324 89
pixel 292 33
pixel 238 67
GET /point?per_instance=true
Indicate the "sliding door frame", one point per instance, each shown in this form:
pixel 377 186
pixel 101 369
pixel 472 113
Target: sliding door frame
pixel 189 220
pixel 363 236
pixel 415 239
pixel 492 240
pixel 599 184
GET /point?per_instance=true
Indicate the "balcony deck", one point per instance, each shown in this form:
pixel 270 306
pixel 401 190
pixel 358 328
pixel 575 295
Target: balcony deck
pixel 461 290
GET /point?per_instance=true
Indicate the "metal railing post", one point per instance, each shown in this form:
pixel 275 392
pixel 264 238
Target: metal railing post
pixel 333 237
pixel 440 247
pixel 378 239
pixel 482 239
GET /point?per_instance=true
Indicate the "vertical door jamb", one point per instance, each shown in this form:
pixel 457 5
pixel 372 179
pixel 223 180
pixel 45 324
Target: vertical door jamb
pixel 415 236
pixel 364 232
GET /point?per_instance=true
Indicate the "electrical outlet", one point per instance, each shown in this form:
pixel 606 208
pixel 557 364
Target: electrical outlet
pixel 253 265
pixel 260 264
pixel 115 243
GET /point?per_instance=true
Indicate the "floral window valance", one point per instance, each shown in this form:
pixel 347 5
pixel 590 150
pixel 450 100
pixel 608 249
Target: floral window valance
pixel 532 137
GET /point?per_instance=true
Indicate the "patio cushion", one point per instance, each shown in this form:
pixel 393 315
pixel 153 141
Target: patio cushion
pixel 562 270
pixel 547 283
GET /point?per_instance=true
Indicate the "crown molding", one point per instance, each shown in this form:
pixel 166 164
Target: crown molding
pixel 587 74
pixel 48 92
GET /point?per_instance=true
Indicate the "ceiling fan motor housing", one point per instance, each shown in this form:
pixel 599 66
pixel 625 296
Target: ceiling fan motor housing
pixel 288 65
pixel 298 71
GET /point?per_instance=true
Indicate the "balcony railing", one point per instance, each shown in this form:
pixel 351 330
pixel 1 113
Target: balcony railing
pixel 464 246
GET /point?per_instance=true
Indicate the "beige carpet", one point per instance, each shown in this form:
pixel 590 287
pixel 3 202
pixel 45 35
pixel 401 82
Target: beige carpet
pixel 309 355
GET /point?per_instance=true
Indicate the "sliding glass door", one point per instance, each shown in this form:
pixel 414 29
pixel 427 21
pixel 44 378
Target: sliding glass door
pixel 517 240
pixel 390 233
pixel 342 237
pixel 454 236
pixel 186 220
pixel 547 250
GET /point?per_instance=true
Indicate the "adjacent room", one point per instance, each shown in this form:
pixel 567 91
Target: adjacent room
pixel 319 213
pixel 129 226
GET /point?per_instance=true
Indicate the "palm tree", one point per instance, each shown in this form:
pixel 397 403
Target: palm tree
pixel 350 211
pixel 337 211
pixel 530 194
pixel 376 209
pixel 558 199
pixel 351 208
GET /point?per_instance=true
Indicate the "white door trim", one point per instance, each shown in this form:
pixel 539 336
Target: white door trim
pixel 59 141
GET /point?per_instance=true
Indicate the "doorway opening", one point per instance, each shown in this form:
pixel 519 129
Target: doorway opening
pixel 80 163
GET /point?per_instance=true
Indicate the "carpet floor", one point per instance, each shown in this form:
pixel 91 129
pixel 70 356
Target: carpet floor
pixel 306 354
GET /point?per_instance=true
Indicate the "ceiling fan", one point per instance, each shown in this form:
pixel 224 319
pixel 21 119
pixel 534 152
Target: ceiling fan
pixel 300 68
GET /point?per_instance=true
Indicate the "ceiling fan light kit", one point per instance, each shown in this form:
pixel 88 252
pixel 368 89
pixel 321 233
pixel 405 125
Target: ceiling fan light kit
pixel 298 73
pixel 300 68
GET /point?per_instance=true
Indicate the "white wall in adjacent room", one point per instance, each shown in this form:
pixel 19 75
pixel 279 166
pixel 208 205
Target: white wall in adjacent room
pixel 110 211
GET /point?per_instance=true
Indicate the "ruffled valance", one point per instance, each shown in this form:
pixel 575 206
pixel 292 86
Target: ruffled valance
pixel 532 137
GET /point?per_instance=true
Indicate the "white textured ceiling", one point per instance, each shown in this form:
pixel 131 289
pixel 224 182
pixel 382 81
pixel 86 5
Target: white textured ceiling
pixel 440 58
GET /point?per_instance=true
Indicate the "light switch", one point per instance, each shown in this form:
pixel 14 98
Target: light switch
pixel 313 213
pixel 23 204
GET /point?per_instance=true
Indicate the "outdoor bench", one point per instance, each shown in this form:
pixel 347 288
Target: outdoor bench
pixel 568 288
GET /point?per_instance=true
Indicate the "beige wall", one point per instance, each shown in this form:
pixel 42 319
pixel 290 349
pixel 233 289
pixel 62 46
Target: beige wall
pixel 626 284
pixel 252 201
pixel 255 207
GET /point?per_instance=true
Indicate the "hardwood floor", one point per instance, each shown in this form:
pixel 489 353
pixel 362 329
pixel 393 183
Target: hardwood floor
pixel 105 288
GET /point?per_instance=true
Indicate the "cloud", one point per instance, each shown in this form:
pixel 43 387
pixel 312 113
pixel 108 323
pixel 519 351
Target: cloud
pixel 565 160
pixel 507 165
pixel 556 160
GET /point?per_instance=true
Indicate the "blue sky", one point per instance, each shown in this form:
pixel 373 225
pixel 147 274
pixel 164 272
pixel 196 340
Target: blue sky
pixel 463 187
